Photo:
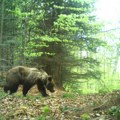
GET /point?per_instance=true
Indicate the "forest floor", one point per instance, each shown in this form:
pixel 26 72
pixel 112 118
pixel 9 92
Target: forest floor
pixel 60 106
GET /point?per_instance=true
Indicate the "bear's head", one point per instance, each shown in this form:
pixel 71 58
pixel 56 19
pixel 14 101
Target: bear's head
pixel 50 84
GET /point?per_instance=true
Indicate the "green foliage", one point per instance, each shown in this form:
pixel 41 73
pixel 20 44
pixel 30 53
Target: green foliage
pixel 85 116
pixel 103 90
pixel 91 86
pixel 60 35
pixel 115 111
pixel 66 23
pixel 41 117
pixel 2 117
pixel 68 95
pixel 73 86
pixel 2 93
pixel 45 109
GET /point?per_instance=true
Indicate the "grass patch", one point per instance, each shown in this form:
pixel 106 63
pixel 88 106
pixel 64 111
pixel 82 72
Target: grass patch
pixel 2 93
pixel 2 118
pixel 68 95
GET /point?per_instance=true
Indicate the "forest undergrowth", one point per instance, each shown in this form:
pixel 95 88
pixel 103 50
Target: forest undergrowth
pixel 60 105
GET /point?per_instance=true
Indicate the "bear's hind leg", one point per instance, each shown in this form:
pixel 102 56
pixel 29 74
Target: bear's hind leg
pixel 13 89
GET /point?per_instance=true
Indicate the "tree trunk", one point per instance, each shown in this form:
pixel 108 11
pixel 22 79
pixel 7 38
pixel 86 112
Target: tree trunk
pixel 1 30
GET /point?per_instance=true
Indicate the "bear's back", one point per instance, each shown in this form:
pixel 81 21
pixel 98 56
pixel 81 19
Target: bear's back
pixel 23 73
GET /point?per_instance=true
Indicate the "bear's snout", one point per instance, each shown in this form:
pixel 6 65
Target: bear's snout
pixel 50 87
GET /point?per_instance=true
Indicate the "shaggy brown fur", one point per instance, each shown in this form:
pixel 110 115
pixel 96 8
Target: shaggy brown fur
pixel 28 77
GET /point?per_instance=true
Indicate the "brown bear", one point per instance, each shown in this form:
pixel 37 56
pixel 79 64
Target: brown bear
pixel 28 77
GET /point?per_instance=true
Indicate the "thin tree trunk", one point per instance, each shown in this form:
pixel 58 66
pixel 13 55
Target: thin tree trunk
pixel 1 30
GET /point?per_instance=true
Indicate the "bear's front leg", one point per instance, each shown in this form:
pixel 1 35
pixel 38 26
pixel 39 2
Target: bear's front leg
pixel 42 89
pixel 26 88
pixel 44 94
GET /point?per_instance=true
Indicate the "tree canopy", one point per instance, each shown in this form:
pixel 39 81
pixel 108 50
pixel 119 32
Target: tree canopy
pixel 60 36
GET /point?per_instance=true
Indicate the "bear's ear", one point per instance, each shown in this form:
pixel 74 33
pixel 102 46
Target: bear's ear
pixel 50 78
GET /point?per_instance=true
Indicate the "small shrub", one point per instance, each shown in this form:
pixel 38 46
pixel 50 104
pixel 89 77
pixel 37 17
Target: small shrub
pixel 45 114
pixel 115 111
pixel 2 93
pixel 85 116
pixel 45 109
